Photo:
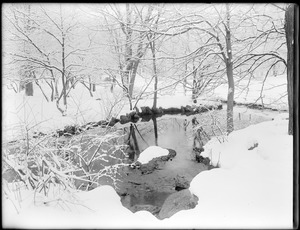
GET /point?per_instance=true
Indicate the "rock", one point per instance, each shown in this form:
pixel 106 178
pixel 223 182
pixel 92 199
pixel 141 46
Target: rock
pixel 157 110
pixel 172 153
pixel 181 183
pixel 182 109
pixel 202 109
pixel 113 121
pixel 170 156
pixel 126 201
pixel 145 110
pixel 69 130
pixel 135 118
pixel 124 119
pixel 176 202
pixel 172 110
pixel 149 167
pixel 132 116
pixel 146 207
pixel 189 109
pixel 101 123
pixel 201 159
pixel 131 113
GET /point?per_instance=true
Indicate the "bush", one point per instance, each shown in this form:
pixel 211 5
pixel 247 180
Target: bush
pixel 47 163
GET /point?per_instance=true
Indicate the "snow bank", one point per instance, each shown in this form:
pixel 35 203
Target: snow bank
pixel 244 143
pixel 99 208
pixel 252 188
pixel 152 152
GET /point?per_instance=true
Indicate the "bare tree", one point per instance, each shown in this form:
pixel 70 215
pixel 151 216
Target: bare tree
pixel 213 30
pixel 240 36
pixel 125 24
pixel 52 54
pixel 152 41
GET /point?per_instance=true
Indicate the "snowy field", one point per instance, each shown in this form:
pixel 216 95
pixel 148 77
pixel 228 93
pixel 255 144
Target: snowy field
pixel 251 189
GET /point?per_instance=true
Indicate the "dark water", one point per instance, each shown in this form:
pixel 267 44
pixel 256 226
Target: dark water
pixel 167 132
pixel 173 134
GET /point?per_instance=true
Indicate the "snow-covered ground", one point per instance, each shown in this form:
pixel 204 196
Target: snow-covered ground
pixel 274 94
pixel 251 189
pixel 35 113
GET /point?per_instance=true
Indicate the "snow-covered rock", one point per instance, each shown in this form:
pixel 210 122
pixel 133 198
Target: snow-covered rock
pixel 176 202
pixel 152 152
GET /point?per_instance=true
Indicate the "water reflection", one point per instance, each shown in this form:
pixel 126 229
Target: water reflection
pixel 150 191
pixel 133 150
pixel 155 130
pixel 168 132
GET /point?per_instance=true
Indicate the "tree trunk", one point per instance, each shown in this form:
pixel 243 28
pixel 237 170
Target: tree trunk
pixel 132 77
pixel 56 88
pixel 229 72
pixel 152 45
pixel 64 88
pixel 63 78
pixel 128 52
pixel 21 86
pixel 29 89
pixel 185 80
pixel 230 98
pixel 45 96
pixel 289 32
pixel 194 90
pixel 63 60
pixel 52 91
pixel 67 84
pixel 72 80
pixel 90 84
